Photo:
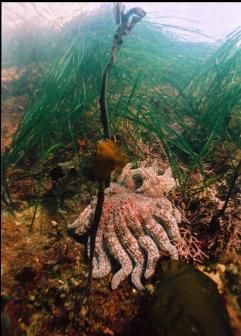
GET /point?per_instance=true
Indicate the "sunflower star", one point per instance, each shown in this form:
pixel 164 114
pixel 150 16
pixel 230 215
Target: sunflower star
pixel 137 226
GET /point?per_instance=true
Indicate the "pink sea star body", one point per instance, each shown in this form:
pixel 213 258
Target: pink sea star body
pixel 137 226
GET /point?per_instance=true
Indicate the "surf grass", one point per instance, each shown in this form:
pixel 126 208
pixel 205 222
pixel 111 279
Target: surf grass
pixel 186 94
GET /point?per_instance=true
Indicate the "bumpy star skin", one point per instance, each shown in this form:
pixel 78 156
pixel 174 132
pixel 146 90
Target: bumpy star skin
pixel 138 225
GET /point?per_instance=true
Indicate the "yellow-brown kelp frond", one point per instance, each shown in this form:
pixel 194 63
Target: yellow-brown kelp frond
pixel 108 158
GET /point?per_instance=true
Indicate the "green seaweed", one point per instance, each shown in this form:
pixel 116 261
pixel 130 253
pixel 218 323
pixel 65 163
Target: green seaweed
pixel 187 94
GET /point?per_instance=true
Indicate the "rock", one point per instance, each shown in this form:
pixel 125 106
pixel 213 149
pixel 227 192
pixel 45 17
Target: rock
pixel 232 269
pixel 239 301
pixel 214 274
pixel 186 303
pixel 27 274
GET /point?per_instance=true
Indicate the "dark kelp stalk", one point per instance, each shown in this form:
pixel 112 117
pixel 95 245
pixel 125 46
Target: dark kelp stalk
pixel 125 22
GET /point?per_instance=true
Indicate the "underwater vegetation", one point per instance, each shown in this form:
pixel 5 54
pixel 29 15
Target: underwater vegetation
pixel 185 94
pixel 174 115
pixel 107 159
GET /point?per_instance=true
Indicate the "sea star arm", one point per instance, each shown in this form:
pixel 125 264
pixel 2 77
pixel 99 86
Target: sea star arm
pixel 135 224
pixel 83 223
pixel 118 252
pixel 160 237
pixel 152 254
pixel 131 246
pixel 166 215
pixel 101 263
